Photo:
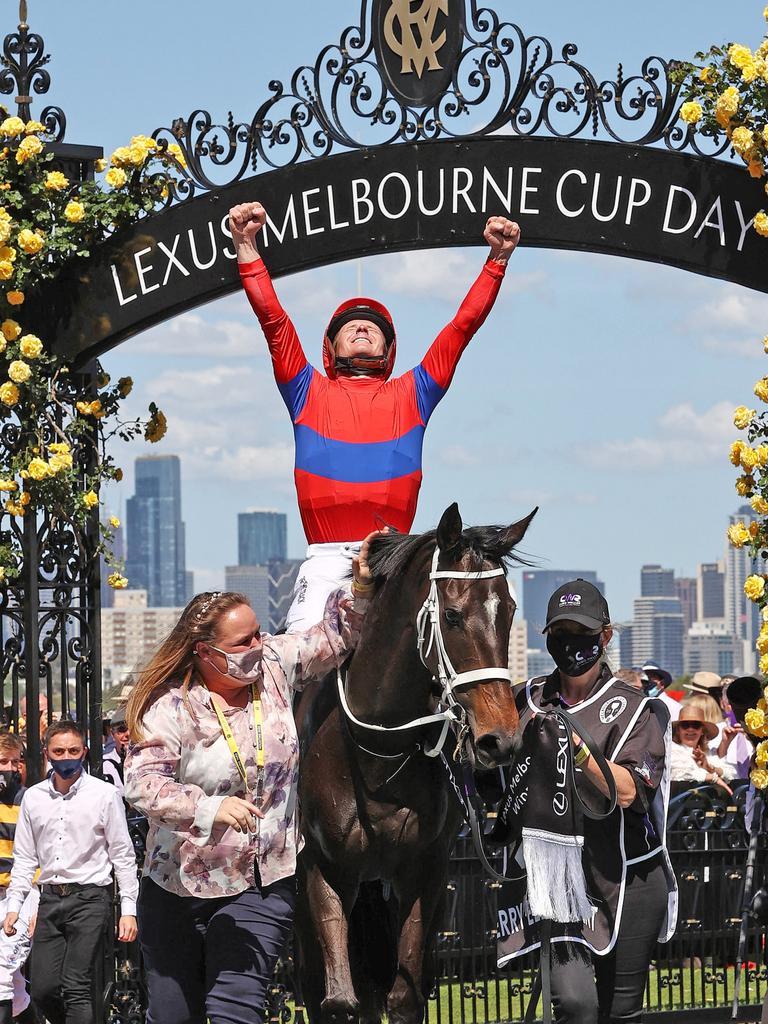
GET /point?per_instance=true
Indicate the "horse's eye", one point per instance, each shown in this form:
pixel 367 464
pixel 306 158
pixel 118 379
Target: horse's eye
pixel 453 617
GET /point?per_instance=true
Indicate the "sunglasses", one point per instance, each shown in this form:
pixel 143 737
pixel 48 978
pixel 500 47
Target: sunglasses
pixel 690 723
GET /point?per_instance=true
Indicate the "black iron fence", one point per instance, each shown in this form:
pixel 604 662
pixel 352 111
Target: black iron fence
pixel 692 975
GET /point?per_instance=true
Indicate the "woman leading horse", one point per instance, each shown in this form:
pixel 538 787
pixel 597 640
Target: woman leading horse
pixel 429 678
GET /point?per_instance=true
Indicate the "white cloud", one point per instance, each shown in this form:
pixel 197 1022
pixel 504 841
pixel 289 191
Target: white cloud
pixel 190 335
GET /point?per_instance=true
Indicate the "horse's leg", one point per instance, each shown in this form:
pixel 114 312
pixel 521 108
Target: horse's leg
pixel 329 910
pixel 420 890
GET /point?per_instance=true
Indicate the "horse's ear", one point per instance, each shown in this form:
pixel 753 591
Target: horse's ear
pixel 449 528
pixel 514 534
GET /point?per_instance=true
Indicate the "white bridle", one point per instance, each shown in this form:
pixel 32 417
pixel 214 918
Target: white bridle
pixel 428 625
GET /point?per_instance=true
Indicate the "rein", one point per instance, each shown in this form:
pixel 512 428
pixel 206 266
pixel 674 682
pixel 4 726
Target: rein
pixel 429 637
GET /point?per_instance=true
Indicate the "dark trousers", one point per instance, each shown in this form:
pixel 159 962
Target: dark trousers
pixel 589 989
pixel 212 958
pixel 68 937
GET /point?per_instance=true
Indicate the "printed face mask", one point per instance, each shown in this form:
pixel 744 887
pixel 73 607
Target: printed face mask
pixel 66 767
pixel 245 667
pixel 573 654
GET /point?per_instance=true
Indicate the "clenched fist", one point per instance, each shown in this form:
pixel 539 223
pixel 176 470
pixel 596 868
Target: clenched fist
pixel 245 222
pixel 502 235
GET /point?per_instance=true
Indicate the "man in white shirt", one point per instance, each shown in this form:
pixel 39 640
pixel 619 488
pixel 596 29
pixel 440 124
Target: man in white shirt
pixel 658 681
pixel 73 827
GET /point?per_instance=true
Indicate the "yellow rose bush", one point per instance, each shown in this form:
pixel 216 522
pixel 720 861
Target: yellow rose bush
pixel 62 423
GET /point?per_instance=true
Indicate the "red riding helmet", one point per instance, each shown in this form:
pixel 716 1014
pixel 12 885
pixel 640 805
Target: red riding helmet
pixel 361 309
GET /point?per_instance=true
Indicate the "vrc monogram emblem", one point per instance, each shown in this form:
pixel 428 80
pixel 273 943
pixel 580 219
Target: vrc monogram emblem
pixel 410 34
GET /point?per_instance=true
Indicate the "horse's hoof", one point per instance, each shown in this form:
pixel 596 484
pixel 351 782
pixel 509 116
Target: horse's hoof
pixel 337 1010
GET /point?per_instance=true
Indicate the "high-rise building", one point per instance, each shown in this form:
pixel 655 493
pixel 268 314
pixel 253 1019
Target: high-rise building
pixel 657 633
pixel 253 582
pixel 710 647
pixel 518 655
pixel 189 585
pixel 538 587
pixel 155 532
pixel 742 616
pixel 710 591
pixel 657 582
pixel 686 592
pixel 131 631
pixel 261 536
pixel 622 643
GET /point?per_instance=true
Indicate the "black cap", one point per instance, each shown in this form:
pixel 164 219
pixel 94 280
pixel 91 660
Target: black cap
pixel 578 601
pixel 118 718
pixel 743 694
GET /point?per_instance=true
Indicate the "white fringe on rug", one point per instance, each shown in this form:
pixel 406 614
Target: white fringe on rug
pixel 557 889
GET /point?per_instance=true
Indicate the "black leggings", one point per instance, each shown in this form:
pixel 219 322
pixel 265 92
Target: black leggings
pixel 588 989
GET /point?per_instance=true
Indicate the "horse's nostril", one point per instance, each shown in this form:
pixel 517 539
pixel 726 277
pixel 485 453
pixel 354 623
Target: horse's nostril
pixel 495 747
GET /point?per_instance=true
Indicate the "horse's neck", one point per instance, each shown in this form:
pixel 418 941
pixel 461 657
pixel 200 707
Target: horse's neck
pixel 387 682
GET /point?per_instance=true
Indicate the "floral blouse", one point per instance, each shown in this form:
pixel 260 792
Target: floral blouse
pixel 183 769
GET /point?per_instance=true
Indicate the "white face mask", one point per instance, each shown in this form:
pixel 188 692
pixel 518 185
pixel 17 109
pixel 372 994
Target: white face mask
pixel 244 667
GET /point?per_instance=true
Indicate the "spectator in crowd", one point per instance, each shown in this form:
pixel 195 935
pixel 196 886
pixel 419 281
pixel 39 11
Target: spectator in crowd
pixel 13 949
pixel 735 746
pixel 114 760
pixel 708 683
pixel 632 676
pixel 214 767
pixel 72 826
pixel 691 760
pixel 658 679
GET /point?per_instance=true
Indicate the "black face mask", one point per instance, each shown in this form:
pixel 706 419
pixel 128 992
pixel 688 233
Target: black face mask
pixel 10 783
pixel 575 654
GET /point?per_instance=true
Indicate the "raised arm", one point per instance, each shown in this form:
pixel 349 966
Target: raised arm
pixel 292 371
pixel 435 372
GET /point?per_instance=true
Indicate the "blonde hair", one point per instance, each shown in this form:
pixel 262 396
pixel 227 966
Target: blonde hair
pixel 173 662
pixel 705 707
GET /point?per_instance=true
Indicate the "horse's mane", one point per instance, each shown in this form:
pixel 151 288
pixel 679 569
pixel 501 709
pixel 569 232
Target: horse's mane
pixel 391 554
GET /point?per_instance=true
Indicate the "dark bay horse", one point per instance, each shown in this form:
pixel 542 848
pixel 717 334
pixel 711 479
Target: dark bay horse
pixel 375 806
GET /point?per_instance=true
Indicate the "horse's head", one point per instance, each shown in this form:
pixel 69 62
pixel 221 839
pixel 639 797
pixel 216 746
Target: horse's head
pixel 466 643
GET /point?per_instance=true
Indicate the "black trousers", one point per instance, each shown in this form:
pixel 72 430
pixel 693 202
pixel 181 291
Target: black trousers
pixel 68 937
pixel 212 958
pixel 588 989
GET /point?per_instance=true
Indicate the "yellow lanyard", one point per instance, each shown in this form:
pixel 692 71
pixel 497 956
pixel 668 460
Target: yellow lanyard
pixel 232 743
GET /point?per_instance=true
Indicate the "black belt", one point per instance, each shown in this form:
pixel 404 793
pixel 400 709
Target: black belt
pixel 67 888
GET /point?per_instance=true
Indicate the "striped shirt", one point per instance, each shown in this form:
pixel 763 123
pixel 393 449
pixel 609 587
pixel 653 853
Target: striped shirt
pixel 9 815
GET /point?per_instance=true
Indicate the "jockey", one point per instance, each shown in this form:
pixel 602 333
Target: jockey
pixel 358 431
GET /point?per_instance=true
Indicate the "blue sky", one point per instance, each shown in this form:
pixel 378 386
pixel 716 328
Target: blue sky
pixel 600 389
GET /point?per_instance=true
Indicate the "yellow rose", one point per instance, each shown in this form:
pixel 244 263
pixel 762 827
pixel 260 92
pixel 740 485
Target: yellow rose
pixel 761 223
pixel 137 155
pixel 90 499
pixel 761 389
pixel 762 642
pixel 33 126
pixel 742 416
pixel 740 55
pixel 8 486
pixel 30 346
pixel 125 386
pixel 14 508
pixel 738 534
pixel 761 754
pixel 74 211
pixel 114 522
pixel 755 168
pixel 100 165
pixel 5 231
pixel 121 157
pixel 15 298
pixel 55 181
pixel 742 140
pixel 156 427
pixel 745 485
pixel 750 72
pixel 735 452
pixel 707 75
pixel 31 146
pixel 176 151
pixel 754 530
pixel 748 459
pixel 60 447
pixel 38 469
pixel 30 241
pixel 759 505
pixel 116 178
pixel 6 270
pixel 754 587
pixel 759 778
pixel 117 581
pixel 691 112
pixel 19 372
pixel 754 720
pixel 9 393
pixel 726 105
pixel 11 127
pixel 118 474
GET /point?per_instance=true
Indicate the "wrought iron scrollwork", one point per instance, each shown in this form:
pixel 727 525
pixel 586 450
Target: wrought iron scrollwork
pixel 24 70
pixel 503 81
